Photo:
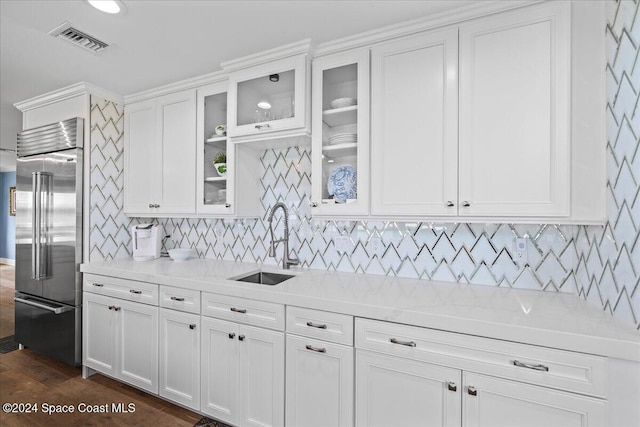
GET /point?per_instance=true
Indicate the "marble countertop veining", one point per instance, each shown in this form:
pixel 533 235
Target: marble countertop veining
pixel 550 319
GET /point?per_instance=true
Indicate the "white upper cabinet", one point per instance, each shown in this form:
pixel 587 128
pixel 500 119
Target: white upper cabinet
pixel 215 179
pixel 160 153
pixel 340 144
pixel 515 114
pixel 474 122
pixel 231 189
pixel 269 94
pixel 414 125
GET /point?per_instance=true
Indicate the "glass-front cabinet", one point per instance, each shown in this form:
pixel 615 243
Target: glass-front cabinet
pixel 215 175
pixel 269 99
pixel 340 142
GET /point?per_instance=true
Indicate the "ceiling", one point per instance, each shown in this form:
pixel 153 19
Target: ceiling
pixel 158 42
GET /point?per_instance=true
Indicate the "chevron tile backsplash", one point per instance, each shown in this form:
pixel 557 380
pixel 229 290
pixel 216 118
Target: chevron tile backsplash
pixel 600 264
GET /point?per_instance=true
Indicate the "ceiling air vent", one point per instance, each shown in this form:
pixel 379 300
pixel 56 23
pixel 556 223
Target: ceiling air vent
pixel 66 32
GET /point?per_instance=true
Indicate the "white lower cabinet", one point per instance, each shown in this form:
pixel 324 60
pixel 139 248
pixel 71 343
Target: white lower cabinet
pixel 242 374
pixel 392 391
pixel 120 339
pixel 319 383
pixel 413 376
pixel 180 357
pixel 496 402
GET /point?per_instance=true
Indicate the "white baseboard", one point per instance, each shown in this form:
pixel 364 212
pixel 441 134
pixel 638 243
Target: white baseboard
pixel 7 261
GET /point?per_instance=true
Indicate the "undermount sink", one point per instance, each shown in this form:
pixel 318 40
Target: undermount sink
pixel 264 278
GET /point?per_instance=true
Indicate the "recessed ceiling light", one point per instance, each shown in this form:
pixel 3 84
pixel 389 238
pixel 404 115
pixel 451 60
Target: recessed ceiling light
pixel 108 6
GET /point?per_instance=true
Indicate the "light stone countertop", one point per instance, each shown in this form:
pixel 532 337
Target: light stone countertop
pixel 549 319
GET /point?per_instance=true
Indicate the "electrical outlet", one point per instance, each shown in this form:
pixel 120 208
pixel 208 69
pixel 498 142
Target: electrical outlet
pixel 375 245
pixel 341 243
pixel 521 250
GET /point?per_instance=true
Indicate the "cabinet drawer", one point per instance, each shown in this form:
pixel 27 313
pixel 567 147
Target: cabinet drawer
pixel 180 299
pixel 322 325
pixel 561 369
pixel 250 312
pixel 146 293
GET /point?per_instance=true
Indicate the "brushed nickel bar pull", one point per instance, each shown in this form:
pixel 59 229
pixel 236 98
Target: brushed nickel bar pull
pixel 55 310
pixel 180 299
pixel 35 220
pixel 262 126
pixel 133 291
pixel 407 343
pixel 238 310
pixel 317 349
pixel 317 325
pixel 99 285
pixel 538 367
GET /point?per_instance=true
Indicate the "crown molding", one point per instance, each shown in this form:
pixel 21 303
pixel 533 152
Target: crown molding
pixel 286 51
pixel 190 83
pixel 71 91
pixel 413 26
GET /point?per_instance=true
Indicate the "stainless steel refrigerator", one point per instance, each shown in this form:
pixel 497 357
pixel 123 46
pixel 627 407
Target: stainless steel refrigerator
pixel 48 299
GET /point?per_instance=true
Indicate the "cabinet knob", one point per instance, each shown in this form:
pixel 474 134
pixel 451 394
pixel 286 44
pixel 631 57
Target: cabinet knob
pixel 452 386
pixel 450 204
pixel 241 337
pixel 117 308
pixel 227 205
pixel 472 390
pixel 314 204
pixel 192 326
pixel 466 204
pixel 156 206
pixel 112 307
pixel 232 335
pixel 151 205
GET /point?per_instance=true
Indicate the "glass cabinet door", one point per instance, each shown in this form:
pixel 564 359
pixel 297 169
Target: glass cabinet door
pixel 268 98
pixel 340 150
pixel 215 160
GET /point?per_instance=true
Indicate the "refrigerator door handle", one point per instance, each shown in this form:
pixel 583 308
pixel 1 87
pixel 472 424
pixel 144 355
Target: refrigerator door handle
pixel 35 227
pixel 41 194
pixel 56 310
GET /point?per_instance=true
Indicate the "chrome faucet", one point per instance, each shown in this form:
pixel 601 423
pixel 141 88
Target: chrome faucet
pixel 286 261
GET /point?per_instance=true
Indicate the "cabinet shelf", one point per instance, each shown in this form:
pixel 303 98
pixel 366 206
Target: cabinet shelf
pixel 216 139
pixel 340 116
pixel 215 178
pixel 341 150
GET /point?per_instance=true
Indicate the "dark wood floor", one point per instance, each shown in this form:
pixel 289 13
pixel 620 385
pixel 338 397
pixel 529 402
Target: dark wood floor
pixel 28 377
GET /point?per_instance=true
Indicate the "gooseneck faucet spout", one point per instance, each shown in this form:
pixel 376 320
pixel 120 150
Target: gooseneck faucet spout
pixel 286 261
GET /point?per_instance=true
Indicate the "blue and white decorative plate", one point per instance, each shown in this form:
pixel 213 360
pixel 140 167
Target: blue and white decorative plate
pixel 343 183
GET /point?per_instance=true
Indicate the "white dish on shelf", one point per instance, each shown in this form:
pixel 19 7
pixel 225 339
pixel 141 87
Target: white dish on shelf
pixel 343 102
pixel 342 138
pixel 180 254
